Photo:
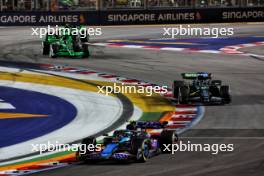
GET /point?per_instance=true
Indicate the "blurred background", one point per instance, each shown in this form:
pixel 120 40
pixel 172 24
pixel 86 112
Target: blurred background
pixel 95 5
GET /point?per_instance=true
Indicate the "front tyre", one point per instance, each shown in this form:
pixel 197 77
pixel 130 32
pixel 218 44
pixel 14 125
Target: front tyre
pixel 83 148
pixel 84 38
pixel 86 52
pixel 225 94
pixel 143 151
pixel 167 137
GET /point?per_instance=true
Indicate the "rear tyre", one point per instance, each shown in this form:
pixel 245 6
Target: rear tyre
pixel 45 48
pixel 225 95
pixel 77 47
pixel 167 137
pixel 176 88
pixel 214 90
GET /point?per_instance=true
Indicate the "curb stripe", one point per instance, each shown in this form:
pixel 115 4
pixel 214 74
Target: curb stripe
pixel 225 50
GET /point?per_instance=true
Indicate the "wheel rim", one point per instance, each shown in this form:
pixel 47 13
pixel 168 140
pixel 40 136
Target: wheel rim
pixel 145 151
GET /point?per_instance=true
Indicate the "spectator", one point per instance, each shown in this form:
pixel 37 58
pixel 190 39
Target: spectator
pixel 21 5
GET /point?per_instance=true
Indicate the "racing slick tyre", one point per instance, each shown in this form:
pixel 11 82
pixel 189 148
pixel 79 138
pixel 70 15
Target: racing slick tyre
pixel 45 48
pixel 83 149
pixel 142 150
pixel 214 90
pixel 76 44
pixel 225 95
pixel 176 87
pixel 140 147
pixel 183 95
pixel 130 127
pixel 167 137
pixel 53 50
pixel 85 51
pixel 84 38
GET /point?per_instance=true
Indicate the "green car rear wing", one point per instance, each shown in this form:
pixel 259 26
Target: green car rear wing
pixel 202 75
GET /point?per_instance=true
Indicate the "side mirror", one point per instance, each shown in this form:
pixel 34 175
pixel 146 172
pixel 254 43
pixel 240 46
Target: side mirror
pixel 105 134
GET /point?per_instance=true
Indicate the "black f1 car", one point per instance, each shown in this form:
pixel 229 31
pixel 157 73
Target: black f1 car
pixel 131 144
pixel 200 88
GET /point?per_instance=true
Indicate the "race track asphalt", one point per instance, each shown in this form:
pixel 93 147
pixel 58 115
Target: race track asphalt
pixel 240 123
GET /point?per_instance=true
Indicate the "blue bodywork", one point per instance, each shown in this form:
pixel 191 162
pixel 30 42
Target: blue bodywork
pixel 112 147
pixel 121 147
pixel 108 150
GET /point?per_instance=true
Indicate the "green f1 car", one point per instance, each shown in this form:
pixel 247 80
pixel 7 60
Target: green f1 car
pixel 65 44
pixel 201 88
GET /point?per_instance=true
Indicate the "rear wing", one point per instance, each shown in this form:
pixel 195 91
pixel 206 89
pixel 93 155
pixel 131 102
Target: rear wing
pixel 146 125
pixel 199 75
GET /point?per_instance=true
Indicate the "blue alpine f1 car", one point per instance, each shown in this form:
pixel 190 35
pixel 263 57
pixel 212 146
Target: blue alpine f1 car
pixel 131 144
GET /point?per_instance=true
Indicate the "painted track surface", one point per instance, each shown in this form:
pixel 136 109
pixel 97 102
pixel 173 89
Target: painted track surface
pixel 83 96
pixel 189 43
pixel 241 123
pixel 35 103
